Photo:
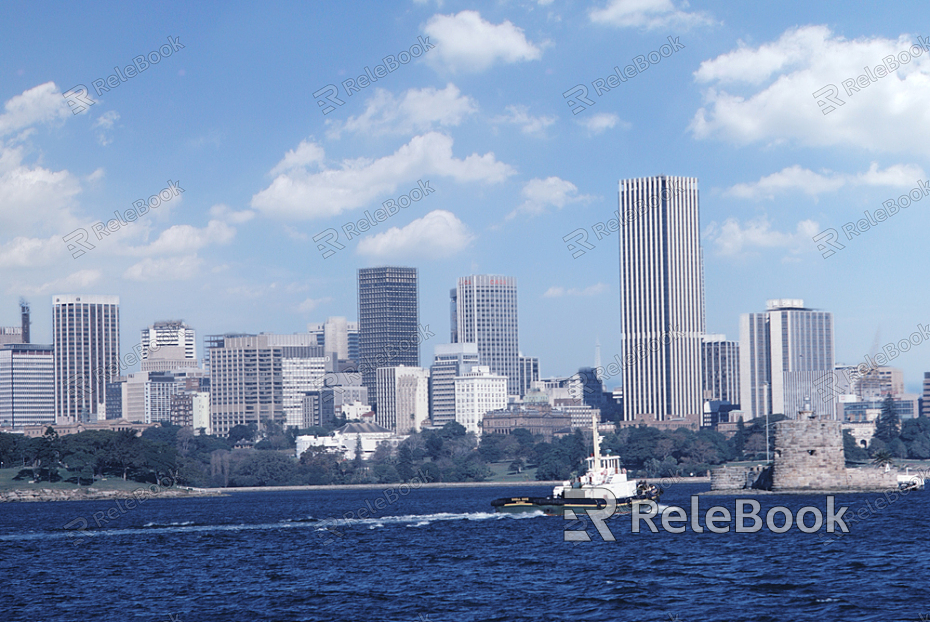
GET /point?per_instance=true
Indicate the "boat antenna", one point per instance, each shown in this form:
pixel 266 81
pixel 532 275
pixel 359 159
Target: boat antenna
pixel 597 440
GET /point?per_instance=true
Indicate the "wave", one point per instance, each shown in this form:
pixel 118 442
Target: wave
pixel 334 525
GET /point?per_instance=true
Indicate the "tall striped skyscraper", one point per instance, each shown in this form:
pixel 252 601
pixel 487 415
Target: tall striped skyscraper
pixel 86 334
pixel 661 297
pixel 484 311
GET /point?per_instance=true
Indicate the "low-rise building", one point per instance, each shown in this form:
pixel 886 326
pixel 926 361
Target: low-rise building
pixel 346 439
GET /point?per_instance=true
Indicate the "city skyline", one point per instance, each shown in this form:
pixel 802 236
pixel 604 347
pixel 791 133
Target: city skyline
pixel 477 179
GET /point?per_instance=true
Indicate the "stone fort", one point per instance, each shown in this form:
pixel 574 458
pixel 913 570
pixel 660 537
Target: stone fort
pixel 808 457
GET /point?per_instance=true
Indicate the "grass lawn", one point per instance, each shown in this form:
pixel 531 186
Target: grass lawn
pixel 111 483
pixel 502 473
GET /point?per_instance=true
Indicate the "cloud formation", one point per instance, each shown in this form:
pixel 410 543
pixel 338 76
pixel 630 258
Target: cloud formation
pixel 300 194
pixel 466 43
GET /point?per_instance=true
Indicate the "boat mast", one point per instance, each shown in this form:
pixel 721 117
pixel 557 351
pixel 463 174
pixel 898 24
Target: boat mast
pixel 597 440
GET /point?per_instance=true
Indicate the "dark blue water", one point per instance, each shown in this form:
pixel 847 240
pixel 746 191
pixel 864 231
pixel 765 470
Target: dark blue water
pixel 440 555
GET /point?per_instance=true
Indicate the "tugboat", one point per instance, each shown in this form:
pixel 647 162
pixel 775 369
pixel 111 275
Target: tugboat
pixel 588 491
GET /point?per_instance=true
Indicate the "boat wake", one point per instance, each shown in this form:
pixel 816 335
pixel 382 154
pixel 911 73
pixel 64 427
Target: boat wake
pixel 318 524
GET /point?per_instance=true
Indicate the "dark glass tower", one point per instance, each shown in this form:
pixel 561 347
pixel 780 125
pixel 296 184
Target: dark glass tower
pixel 387 321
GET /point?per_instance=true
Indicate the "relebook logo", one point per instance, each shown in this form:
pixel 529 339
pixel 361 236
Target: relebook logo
pixel 717 519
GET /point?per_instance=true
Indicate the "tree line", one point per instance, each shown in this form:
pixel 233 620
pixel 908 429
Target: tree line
pixel 449 454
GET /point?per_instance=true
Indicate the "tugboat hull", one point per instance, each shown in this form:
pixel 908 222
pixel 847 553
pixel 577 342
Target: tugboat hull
pixel 556 506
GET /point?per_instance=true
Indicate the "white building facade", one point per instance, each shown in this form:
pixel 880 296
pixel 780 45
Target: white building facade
pixel 484 312
pixel 661 297
pixel 403 398
pixel 785 355
pixel 478 392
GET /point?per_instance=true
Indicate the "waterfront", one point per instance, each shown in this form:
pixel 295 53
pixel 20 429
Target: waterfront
pixel 441 554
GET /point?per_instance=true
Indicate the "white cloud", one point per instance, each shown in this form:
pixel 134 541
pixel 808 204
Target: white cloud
pixel 311 304
pixel 181 268
pixel 466 43
pixel 181 239
pixel 436 235
pixel 75 281
pixel 226 214
pixel 417 110
pixel 105 123
pixel 648 14
pixel 795 178
pixel 765 94
pixel 735 240
pixel 307 153
pixel 520 115
pixel 40 104
pixel 540 194
pixel 591 290
pixel 598 123
pixel 303 195
pixel 22 252
pixel 35 197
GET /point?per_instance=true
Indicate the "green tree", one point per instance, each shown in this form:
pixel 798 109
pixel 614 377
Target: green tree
pixel 888 426
pixel 852 450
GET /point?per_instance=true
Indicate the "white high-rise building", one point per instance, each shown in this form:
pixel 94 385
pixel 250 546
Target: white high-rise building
pixel 403 398
pixel 721 368
pixel 27 385
pixel 302 370
pixel 484 311
pixel 337 335
pixel 478 392
pixel 170 333
pixel 785 353
pixel 449 360
pixel 661 297
pixel 85 330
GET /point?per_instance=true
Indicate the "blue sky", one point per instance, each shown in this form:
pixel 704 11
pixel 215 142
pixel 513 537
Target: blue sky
pixel 232 119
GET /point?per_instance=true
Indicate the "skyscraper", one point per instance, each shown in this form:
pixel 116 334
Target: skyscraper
pixel 661 296
pixel 721 368
pixel 387 322
pixel 784 353
pixel 450 360
pixel 85 330
pixel 486 314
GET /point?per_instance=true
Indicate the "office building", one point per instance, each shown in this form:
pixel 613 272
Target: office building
pixel 191 408
pixel 85 330
pixel 27 385
pixel 169 333
pixel 485 313
pixel 388 318
pixel 449 360
pixel 477 392
pixel 338 336
pixel 403 398
pixel 721 368
pixel 247 378
pixel 302 369
pixel 11 334
pixel 661 297
pixel 529 372
pixel 925 403
pixel 784 352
